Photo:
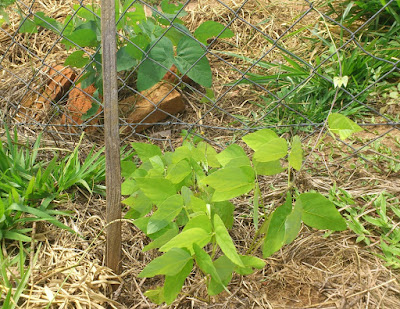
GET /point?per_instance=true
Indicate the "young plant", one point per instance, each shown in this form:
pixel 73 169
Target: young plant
pixel 182 201
pixel 148 45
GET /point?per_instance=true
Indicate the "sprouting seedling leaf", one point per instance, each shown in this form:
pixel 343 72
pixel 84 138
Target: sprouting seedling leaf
pixel 77 59
pixel 339 81
pixel 209 97
pixel 342 125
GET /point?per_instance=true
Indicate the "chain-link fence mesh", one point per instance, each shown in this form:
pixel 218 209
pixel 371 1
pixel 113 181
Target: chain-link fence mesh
pixel 216 69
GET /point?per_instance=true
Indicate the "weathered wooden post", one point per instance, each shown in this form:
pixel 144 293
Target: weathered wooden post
pixel 111 131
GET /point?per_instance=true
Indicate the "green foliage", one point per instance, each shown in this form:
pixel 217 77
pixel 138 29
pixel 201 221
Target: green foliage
pixel 29 186
pixel 3 13
pixel 181 200
pixel 14 275
pixel 342 126
pixel 153 43
pixel 374 220
pixel 350 11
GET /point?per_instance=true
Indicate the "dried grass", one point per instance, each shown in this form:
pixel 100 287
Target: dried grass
pixel 313 272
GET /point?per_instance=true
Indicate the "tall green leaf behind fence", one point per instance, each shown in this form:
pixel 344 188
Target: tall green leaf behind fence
pixel 213 69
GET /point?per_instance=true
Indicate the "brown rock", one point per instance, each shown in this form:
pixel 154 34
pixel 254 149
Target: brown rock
pixel 173 79
pixel 36 106
pixel 61 79
pixel 79 102
pixel 170 76
pixel 158 102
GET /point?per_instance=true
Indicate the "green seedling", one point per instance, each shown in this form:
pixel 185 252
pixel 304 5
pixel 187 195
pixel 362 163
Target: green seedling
pixel 184 202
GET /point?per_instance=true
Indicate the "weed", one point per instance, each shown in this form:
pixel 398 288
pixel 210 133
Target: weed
pixel 29 186
pixel 375 222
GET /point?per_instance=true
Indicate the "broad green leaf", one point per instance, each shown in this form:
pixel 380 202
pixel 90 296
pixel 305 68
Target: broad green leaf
pixel 293 224
pixel 125 61
pixel 224 269
pixel 196 204
pixel 320 213
pixel 230 182
pixel 257 139
pixel 129 187
pixel 209 96
pixel 296 154
pixel 210 29
pixel 250 262
pixel 343 126
pixel 27 26
pixel 191 61
pixel 275 236
pixel 179 171
pixel 182 153
pixel 173 8
pixel 169 264
pixel 210 154
pixel 137 48
pixel 271 151
pixel 163 239
pixel 187 238
pixel 157 164
pixel 139 205
pixel 186 195
pixel 225 211
pixel 81 38
pixel 86 12
pixel 166 212
pixel 137 14
pixel 225 242
pixel 160 59
pixel 268 168
pixel 146 151
pixel 46 22
pixel 173 284
pixel 233 152
pixel 156 295
pixel 199 221
pixel 205 263
pixel 156 189
pixel 127 168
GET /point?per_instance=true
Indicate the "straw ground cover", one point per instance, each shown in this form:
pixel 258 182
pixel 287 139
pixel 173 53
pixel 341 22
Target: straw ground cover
pixel 315 271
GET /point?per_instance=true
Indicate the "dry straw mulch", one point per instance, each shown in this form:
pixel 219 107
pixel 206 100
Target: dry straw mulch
pixel 313 272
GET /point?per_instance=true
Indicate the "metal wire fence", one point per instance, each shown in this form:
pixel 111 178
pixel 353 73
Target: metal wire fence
pixel 214 69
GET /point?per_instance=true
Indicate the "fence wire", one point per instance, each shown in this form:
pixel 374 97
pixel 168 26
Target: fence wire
pixel 284 65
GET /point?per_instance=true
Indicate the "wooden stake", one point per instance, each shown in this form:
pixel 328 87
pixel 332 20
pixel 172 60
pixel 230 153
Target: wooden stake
pixel 111 131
